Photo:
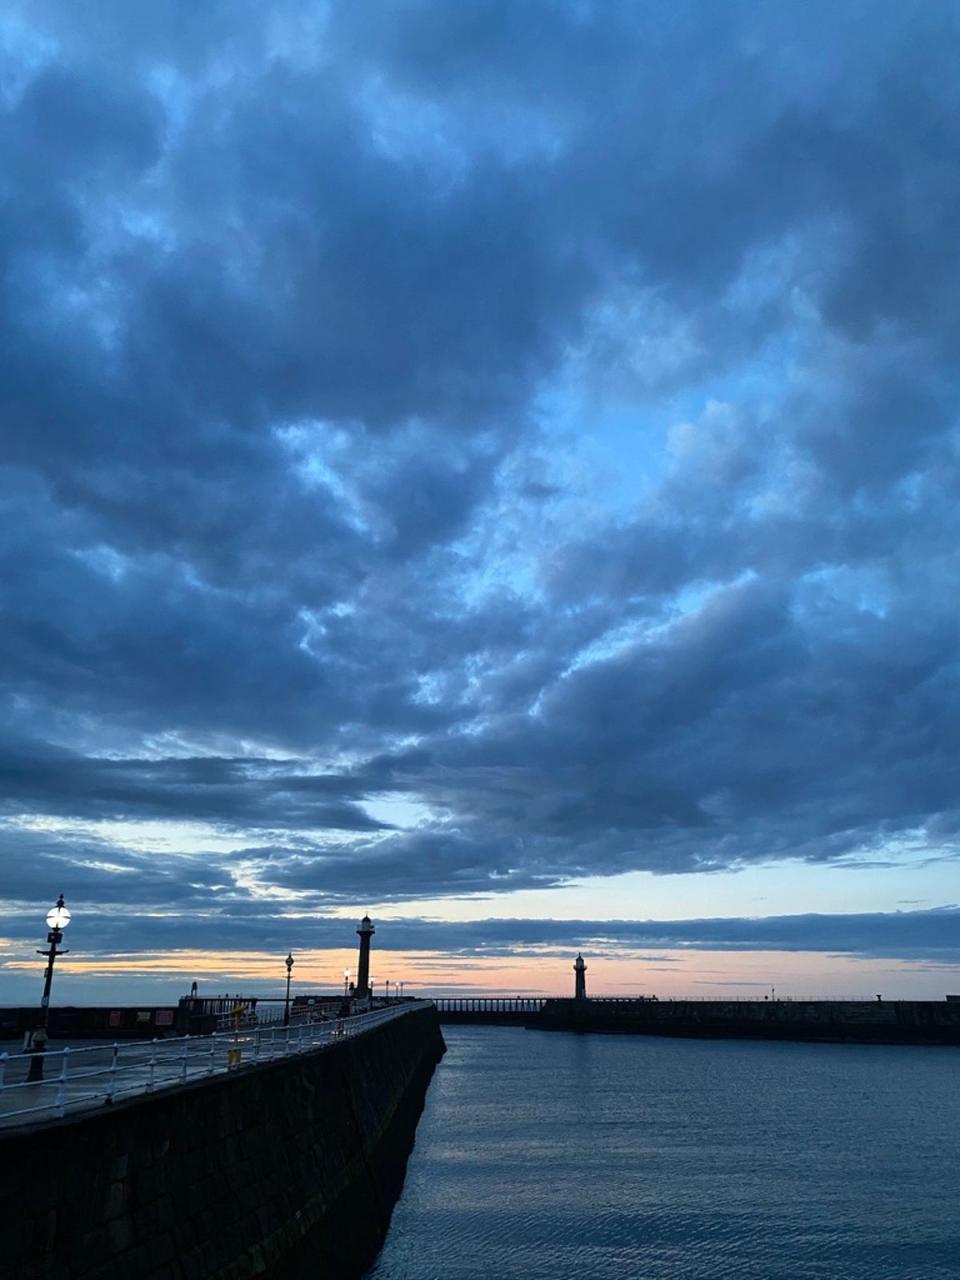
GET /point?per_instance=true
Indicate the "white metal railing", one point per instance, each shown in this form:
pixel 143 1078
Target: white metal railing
pixel 272 1013
pixel 102 1073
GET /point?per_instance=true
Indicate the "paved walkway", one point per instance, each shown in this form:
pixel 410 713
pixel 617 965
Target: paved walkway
pixel 89 1076
pixel 99 1071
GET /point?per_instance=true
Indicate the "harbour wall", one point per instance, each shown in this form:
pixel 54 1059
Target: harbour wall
pixel 285 1170
pixel 189 1016
pixel 839 1021
pixel 98 1022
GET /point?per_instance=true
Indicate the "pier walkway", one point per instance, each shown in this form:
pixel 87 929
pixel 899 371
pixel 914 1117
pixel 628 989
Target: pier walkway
pixel 489 1004
pixel 504 1010
pixel 495 1010
pixel 78 1077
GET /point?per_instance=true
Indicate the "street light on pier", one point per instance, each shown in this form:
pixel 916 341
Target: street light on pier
pixel 388 991
pixel 58 918
pixel 346 982
pixel 286 1006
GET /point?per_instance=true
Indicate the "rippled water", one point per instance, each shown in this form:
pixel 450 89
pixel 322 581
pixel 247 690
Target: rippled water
pixel 592 1157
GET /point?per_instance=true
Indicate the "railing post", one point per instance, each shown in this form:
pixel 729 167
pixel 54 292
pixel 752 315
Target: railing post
pixel 61 1099
pixel 112 1086
pixel 213 1049
pixel 152 1072
pixel 183 1058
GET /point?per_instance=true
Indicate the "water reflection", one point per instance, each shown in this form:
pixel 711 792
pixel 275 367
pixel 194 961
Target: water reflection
pixel 605 1158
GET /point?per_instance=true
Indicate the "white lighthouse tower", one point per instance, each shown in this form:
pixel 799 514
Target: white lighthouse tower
pixel 580 972
pixel 365 933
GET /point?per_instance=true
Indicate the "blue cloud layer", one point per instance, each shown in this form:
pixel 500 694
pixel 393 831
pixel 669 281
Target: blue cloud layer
pixel 545 415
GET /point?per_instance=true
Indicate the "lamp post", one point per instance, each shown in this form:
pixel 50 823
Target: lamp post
pixel 346 980
pixel 388 991
pixel 286 1007
pixel 58 918
pixel 401 990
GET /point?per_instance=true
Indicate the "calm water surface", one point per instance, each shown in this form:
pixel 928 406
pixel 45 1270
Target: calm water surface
pixel 548 1155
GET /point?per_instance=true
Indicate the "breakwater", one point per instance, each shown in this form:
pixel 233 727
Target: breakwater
pixel 838 1021
pixel 285 1169
pixel 98 1022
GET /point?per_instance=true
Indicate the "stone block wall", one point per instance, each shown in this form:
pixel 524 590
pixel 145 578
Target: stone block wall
pixel 856 1021
pixel 287 1169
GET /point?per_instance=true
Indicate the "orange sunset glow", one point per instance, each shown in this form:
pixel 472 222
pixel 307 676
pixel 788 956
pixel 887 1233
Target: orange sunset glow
pixel 540 972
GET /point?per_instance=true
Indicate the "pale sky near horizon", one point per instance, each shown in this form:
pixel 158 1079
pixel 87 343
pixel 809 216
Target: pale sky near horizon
pixel 489 464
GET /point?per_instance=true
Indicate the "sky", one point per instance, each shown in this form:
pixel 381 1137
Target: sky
pixel 489 464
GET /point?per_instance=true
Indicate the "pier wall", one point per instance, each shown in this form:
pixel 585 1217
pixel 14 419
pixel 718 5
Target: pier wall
pixel 133 1022
pixel 855 1021
pixel 282 1170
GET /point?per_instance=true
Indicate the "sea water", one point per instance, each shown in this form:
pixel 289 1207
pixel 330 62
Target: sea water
pixel 555 1156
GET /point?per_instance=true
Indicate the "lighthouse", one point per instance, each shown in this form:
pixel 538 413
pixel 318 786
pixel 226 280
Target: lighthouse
pixel 364 933
pixel 580 972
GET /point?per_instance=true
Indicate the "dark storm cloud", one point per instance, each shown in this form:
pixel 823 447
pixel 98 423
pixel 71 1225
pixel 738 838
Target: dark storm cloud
pixel 112 887
pixel 287 298
pixel 204 922
pixel 248 793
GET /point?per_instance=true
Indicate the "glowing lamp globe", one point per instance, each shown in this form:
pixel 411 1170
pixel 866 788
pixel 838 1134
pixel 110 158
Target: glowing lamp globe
pixel 58 917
